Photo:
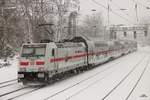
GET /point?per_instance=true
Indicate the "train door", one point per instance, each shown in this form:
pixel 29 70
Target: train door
pixel 90 53
pixel 55 59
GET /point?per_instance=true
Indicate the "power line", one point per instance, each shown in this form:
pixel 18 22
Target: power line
pixel 119 7
pixel 111 11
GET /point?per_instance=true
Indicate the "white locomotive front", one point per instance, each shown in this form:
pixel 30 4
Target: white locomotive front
pixel 33 62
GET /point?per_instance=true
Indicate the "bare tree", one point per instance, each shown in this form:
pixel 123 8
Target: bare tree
pixel 33 13
pixel 6 26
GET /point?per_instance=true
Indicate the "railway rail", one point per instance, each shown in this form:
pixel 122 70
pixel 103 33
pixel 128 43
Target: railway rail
pixel 130 93
pixel 113 89
pixel 20 92
pixel 28 92
pixel 8 83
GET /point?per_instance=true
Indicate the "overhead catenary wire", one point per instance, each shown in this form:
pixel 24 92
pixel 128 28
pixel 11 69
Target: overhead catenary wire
pixel 112 11
pixel 116 5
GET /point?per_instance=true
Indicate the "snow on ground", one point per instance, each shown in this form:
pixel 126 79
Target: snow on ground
pixel 124 89
pixel 8 72
pixel 96 83
pixel 142 92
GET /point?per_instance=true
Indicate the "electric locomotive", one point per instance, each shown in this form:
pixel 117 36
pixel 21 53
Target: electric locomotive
pixel 46 62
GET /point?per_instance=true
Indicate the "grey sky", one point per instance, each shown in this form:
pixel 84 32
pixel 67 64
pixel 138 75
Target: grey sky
pixel 129 14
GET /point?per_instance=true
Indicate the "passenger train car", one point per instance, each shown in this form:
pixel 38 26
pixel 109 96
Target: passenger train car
pixel 46 62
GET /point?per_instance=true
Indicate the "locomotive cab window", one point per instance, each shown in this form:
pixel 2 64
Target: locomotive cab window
pixel 33 50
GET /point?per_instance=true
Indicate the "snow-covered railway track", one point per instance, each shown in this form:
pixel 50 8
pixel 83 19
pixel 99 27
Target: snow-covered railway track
pixel 137 82
pixel 25 93
pixel 1 95
pixel 13 94
pixel 12 89
pixel 8 83
pixel 123 79
pixel 127 80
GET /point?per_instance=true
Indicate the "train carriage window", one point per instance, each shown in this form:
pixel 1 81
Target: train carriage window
pixel 68 45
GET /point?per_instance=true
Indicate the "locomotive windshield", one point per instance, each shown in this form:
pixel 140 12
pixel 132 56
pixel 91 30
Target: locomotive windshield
pixel 33 50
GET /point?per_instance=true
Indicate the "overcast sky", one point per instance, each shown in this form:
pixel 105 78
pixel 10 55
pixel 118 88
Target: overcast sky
pixel 129 14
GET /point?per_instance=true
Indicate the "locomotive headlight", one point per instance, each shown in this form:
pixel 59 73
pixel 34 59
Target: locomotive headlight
pixel 20 75
pixel 41 75
pixel 40 69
